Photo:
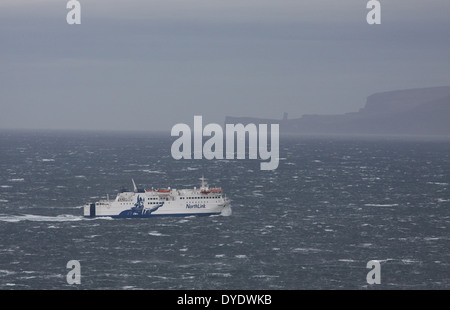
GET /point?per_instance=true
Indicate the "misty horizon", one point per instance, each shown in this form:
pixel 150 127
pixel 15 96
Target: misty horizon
pixel 147 66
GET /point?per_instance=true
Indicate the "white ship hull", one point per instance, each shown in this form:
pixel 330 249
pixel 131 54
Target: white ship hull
pixel 143 203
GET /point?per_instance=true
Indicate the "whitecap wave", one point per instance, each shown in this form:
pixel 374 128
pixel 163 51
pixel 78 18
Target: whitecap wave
pixel 226 211
pixel 156 233
pixel 381 205
pixel 40 218
pixel 153 171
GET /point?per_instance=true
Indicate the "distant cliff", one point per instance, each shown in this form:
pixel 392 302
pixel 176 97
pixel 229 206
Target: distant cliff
pixel 421 111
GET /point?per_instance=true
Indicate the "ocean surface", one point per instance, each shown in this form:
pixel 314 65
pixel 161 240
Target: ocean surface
pixel 333 205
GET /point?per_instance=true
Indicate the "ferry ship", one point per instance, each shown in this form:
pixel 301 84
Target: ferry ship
pixel 143 203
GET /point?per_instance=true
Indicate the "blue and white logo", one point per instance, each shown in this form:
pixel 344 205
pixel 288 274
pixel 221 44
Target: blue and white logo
pixel 139 209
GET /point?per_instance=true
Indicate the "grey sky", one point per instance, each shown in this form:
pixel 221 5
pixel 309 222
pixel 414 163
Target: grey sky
pixel 147 65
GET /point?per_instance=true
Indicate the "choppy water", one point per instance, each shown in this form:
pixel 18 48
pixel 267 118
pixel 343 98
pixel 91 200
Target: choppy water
pixel 314 223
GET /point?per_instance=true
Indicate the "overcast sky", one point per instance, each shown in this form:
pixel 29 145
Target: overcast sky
pixel 149 64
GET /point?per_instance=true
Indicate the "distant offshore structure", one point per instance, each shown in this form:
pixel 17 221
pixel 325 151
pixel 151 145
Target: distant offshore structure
pixel 419 111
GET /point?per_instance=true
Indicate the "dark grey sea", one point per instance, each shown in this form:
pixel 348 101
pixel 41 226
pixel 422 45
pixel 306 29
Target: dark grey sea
pixel 333 205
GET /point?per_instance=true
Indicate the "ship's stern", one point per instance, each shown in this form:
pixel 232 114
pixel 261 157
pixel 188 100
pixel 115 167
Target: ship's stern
pixel 89 210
